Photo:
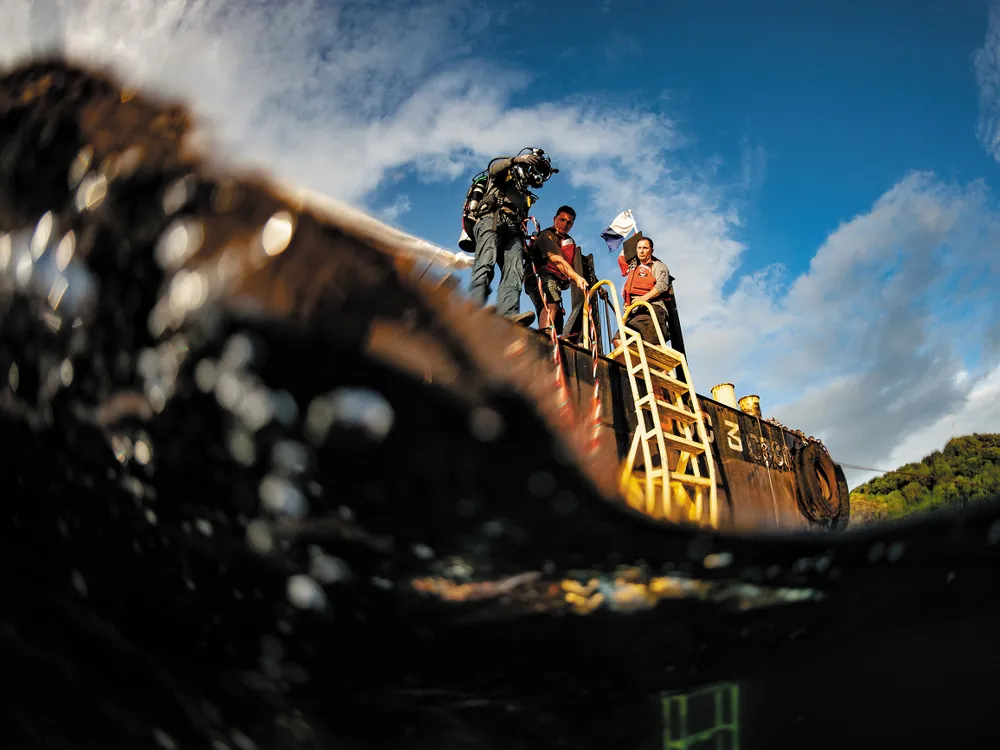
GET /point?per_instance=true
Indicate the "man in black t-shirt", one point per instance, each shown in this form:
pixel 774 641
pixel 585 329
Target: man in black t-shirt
pixel 553 254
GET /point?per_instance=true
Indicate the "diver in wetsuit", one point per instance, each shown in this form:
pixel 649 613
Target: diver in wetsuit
pixel 498 230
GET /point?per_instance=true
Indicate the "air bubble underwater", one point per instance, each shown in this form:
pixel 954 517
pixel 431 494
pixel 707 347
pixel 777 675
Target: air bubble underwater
pixel 280 496
pixel 355 408
pixel 305 593
pixel 42 264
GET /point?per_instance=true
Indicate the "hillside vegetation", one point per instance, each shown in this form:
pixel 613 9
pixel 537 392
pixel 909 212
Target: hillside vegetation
pixel 967 470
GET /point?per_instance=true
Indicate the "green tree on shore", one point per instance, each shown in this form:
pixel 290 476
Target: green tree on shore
pixel 966 471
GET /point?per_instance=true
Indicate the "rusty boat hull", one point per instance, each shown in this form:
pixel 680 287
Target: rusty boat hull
pixel 769 478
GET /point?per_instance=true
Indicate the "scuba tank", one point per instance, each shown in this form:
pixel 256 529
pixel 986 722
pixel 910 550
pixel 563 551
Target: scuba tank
pixel 472 198
pixel 525 179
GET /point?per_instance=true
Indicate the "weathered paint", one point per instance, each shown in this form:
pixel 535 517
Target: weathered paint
pixel 756 478
pixel 757 482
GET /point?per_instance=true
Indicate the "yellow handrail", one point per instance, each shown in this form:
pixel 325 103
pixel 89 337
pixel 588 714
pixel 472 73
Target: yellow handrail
pixel 586 308
pixel 619 316
pixel 652 314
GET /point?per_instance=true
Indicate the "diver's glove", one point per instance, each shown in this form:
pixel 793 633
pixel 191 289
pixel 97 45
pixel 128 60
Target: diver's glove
pixel 529 160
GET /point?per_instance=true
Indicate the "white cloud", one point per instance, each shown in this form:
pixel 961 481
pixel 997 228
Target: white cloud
pixel 866 348
pixel 687 217
pixel 986 61
pixel 346 98
pixel 979 413
pixel 336 95
pixel 753 165
pixel 399 207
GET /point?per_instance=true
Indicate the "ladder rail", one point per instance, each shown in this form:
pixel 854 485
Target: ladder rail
pixel 713 495
pixel 628 335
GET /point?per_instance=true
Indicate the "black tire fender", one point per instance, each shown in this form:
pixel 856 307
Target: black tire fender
pixel 843 517
pixel 818 489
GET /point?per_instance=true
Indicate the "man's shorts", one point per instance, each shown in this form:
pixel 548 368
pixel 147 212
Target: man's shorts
pixel 552 287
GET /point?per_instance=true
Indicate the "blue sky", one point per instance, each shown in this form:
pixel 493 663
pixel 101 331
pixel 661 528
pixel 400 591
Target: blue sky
pixel 804 113
pixel 821 178
pixel 808 113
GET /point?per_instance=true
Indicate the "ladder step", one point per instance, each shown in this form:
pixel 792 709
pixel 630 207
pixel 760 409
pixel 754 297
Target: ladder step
pixel 662 356
pixel 690 479
pixel 658 356
pixel 618 355
pixel 670 383
pixel 675 412
pixel 683 444
pixel 657 476
pixel 646 401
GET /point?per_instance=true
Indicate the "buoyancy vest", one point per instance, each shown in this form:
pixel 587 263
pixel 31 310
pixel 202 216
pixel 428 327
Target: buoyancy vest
pixel 640 281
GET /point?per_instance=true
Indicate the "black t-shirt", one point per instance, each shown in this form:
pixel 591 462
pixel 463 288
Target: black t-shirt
pixel 545 243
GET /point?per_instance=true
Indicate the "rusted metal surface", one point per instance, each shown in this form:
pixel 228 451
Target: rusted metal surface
pixel 616 416
pixel 757 481
pixel 750 404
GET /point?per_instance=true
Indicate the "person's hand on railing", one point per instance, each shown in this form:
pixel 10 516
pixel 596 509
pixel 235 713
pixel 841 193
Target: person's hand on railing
pixel 581 282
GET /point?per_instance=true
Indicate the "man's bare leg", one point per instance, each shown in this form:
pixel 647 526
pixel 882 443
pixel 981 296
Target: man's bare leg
pixel 549 316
